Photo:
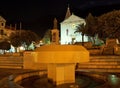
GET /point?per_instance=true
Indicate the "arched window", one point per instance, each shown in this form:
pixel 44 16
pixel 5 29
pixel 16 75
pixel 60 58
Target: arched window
pixel 54 37
pixel 1 32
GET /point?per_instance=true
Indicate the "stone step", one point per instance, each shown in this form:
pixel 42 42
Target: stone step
pixel 6 58
pixel 105 60
pixel 11 62
pixel 12 66
pixel 116 70
pixel 104 57
pixel 98 66
pixel 100 63
pixel 11 58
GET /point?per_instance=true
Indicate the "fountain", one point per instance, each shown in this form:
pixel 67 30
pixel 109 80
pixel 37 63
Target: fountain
pixel 61 61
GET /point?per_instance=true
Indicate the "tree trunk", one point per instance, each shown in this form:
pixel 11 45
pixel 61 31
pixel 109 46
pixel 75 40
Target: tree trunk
pixel 93 40
pixel 15 49
pixel 82 39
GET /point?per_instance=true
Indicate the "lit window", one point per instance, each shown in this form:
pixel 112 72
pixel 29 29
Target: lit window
pixel 73 25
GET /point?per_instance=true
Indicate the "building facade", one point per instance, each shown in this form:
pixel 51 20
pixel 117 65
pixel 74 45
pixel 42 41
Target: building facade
pixel 68 28
pixel 2 27
pixel 5 31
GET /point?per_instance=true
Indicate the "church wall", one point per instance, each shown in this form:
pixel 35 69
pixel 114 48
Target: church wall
pixel 67 32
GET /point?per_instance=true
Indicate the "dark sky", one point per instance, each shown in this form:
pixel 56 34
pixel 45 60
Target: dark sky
pixel 38 15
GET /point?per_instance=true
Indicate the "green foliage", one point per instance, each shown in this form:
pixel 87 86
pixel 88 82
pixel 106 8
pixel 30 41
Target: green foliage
pixel 109 25
pixel 89 29
pixel 5 45
pixel 29 36
pixel 91 25
pixel 81 28
pixel 106 26
pixel 23 36
pixel 15 39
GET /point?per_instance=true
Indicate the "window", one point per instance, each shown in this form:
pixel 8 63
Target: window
pixel 73 25
pixel 2 24
pixel 1 32
pixel 54 37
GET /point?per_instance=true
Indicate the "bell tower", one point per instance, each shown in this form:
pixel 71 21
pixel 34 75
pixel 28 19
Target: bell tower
pixel 2 22
pixel 55 32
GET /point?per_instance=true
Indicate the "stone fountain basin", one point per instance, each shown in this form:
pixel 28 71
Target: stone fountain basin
pixel 61 54
pixel 60 61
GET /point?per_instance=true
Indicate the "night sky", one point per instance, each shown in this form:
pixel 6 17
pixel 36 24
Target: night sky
pixel 38 15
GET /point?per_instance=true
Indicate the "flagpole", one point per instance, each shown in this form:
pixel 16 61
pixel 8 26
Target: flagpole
pixel 20 25
pixel 15 27
pixel 20 28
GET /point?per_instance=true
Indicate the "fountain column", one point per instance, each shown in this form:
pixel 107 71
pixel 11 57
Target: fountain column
pixel 61 73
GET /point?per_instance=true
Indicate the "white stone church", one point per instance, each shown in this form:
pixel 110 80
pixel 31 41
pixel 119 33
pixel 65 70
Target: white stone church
pixel 68 27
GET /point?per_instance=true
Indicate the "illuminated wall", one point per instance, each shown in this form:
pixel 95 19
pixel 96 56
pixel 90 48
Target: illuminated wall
pixel 2 26
pixel 68 27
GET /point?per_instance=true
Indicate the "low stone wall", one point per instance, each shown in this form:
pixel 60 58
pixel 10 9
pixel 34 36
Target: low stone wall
pixel 95 51
pixel 14 80
pixel 99 76
pixel 6 82
pixel 117 50
pixel 3 82
pixel 22 76
pixel 31 62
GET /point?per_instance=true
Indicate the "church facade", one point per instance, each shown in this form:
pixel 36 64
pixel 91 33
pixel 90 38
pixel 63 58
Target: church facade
pixel 68 28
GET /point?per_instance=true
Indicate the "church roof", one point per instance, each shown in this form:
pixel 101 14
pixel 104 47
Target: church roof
pixel 68 13
pixel 2 19
pixel 73 18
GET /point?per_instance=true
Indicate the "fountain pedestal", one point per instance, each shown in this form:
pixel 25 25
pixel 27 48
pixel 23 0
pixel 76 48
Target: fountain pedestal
pixel 61 73
pixel 61 60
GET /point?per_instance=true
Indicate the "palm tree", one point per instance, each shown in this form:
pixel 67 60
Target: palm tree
pixel 81 29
